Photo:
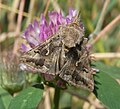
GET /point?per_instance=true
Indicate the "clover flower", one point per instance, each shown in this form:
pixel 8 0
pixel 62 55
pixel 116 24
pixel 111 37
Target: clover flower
pixel 39 31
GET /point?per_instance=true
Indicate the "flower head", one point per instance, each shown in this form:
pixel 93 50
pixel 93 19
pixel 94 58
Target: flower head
pixel 39 31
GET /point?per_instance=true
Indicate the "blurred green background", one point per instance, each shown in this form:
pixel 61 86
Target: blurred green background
pixel 16 15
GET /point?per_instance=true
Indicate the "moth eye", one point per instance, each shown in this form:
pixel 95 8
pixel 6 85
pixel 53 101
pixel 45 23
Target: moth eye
pixel 39 62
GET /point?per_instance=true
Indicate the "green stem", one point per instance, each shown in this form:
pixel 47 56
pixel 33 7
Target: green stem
pixel 56 98
pixel 101 19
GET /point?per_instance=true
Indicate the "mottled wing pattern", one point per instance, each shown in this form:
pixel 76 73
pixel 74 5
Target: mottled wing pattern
pixel 45 58
pixel 76 76
pixel 63 55
pixel 77 70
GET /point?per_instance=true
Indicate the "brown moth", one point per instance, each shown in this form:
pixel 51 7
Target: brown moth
pixel 63 55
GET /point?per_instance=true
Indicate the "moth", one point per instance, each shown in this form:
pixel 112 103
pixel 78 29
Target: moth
pixel 63 55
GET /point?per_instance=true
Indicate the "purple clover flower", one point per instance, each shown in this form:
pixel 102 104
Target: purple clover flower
pixel 39 31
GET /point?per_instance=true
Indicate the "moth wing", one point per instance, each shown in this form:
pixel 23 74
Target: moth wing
pixel 77 77
pixel 44 58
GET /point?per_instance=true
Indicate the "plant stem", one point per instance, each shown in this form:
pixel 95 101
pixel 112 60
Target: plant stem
pixel 108 28
pixel 110 55
pixel 56 98
pixel 101 19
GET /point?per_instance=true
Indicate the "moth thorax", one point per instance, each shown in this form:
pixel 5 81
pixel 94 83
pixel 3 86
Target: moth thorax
pixel 71 36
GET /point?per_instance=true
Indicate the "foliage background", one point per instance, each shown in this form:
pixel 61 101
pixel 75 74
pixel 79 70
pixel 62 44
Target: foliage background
pixel 13 22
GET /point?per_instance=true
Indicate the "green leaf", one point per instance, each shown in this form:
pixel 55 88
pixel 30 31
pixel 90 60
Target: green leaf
pixel 107 89
pixel 27 99
pixel 113 71
pixel 5 98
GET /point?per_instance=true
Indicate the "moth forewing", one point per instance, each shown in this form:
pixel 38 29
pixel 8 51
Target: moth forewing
pixel 45 57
